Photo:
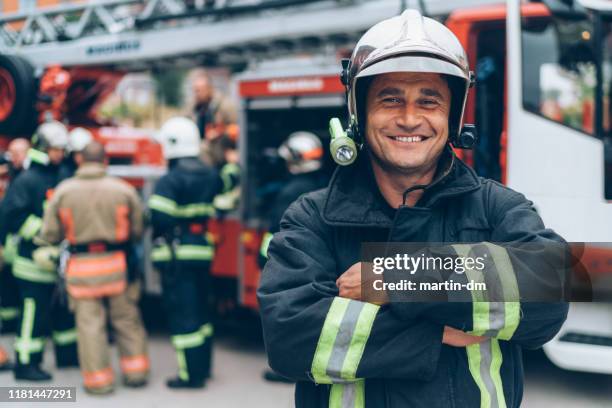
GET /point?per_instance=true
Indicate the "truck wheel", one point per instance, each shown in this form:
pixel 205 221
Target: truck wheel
pixel 17 96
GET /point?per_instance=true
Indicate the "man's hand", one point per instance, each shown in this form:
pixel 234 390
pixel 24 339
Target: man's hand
pixel 458 338
pixel 349 283
pixel 351 287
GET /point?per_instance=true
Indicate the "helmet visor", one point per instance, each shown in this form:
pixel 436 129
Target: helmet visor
pixel 413 63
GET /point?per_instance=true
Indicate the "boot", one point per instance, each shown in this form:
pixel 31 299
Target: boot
pixel 134 382
pixel 108 389
pixel 31 373
pixel 273 376
pixel 6 366
pixel 179 383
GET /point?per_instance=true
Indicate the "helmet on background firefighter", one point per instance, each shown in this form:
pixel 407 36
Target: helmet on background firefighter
pixel 78 138
pixel 409 42
pixel 51 134
pixel 302 151
pixel 179 137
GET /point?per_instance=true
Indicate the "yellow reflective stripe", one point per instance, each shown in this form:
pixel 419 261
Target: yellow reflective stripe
pixel 189 340
pixel 265 243
pixel 347 395
pixel 229 170
pixel 227 201
pixel 194 210
pixel 485 359
pixel 9 313
pixel 161 254
pixel 170 207
pixel 24 343
pixel 182 364
pixel 26 269
pixel 162 204
pixel 30 227
pixel 510 289
pixel 183 253
pixel 65 337
pixel 207 330
pixel 37 156
pixel 10 248
pixel 343 338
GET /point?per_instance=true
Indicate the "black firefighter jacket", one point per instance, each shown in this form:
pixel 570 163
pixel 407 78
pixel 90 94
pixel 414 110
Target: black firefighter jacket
pixel 346 353
pixel 23 209
pixel 180 207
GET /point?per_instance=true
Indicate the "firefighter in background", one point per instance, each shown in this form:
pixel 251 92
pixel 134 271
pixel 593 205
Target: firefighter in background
pixel 212 111
pixel 303 154
pixel 40 309
pixel 78 138
pixel 9 298
pixel 100 232
pixel 180 208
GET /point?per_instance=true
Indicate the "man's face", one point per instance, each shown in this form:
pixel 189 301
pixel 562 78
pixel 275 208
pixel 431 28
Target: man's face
pixel 407 120
pixel 18 151
pixel 202 90
pixel 55 155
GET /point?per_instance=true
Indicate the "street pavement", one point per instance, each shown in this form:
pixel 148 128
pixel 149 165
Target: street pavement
pixel 237 382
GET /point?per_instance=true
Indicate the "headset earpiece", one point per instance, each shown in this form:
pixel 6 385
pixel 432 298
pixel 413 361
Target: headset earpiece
pixel 466 139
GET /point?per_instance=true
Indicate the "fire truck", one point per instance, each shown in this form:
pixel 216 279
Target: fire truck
pixel 541 106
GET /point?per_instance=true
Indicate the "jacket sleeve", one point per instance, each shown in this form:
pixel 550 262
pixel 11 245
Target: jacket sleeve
pixel 51 231
pixel 311 333
pixel 524 264
pixel 136 214
pixel 17 206
pixel 162 206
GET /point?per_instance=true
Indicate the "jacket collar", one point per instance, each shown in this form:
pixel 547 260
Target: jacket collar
pixel 91 170
pixel 354 199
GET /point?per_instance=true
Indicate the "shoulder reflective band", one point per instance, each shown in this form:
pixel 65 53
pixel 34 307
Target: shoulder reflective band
pixel 24 343
pixel 36 156
pixel 65 337
pixel 229 172
pixel 183 253
pixel 492 319
pixel 30 227
pixel 347 395
pixel 343 338
pixel 265 243
pixel 26 269
pixel 170 207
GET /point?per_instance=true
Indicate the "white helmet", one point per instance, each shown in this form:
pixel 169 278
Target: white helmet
pixel 179 137
pixel 408 43
pixel 302 151
pixel 50 134
pixel 78 138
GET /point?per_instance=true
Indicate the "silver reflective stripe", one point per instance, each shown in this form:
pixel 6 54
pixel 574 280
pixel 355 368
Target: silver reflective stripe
pixel 350 395
pixel 343 341
pixel 485 372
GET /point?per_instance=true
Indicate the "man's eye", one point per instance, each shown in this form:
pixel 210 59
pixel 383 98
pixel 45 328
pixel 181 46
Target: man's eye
pixel 428 102
pixel 392 100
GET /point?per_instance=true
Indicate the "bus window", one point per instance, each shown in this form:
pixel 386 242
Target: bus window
pixel 490 101
pixel 606 105
pixel 559 71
